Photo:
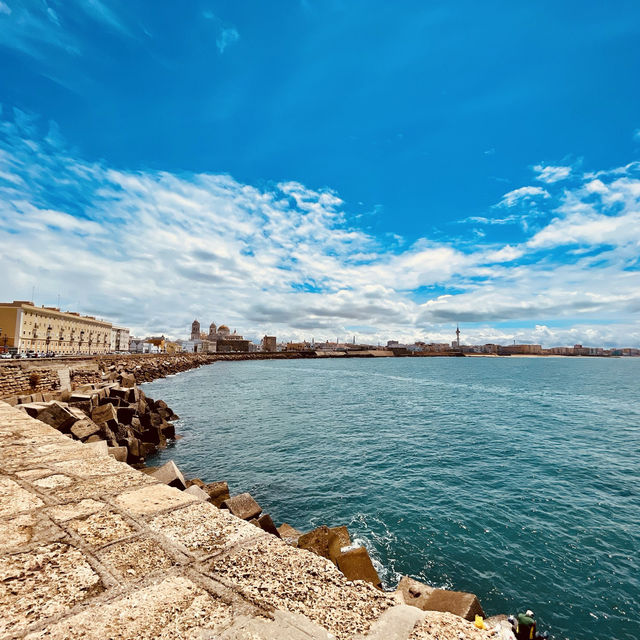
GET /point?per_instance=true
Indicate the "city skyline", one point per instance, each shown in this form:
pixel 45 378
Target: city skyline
pixel 153 172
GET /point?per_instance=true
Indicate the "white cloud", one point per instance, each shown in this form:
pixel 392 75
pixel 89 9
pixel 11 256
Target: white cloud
pixel 551 174
pixel 227 36
pixel 153 250
pixel 523 194
pixel 636 135
pixel 5 9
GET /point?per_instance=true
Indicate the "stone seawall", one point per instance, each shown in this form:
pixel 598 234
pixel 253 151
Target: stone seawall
pixel 91 548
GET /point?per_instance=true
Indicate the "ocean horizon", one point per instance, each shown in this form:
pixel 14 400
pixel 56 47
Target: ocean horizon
pixel 515 479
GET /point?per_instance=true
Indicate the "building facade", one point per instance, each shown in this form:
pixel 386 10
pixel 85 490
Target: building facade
pixel 120 340
pixel 269 343
pixel 47 330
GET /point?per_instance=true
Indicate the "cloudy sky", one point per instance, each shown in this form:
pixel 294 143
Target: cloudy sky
pixel 326 169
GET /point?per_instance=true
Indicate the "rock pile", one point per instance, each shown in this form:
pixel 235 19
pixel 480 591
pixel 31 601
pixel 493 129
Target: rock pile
pixel 116 411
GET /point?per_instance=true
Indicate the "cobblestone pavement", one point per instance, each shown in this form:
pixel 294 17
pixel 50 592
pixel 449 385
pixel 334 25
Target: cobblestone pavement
pixel 92 549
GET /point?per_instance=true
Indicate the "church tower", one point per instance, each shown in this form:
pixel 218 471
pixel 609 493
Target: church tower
pixel 195 330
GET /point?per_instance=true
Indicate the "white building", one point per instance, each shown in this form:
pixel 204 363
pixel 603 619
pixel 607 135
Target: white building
pixel 119 339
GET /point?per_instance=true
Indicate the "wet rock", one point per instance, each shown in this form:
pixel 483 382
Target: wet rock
pixel 243 506
pixel 127 380
pixel 126 414
pixel 465 605
pixel 356 564
pixel 218 492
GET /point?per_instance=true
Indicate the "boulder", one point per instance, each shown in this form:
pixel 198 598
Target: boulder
pixel 92 439
pixel 289 534
pixel 58 416
pixel 243 506
pixel 266 524
pixel 197 482
pixel 119 393
pixel 171 475
pixel 84 428
pixel 316 540
pixel 465 605
pixel 119 453
pixel 32 408
pixel 197 492
pixel 414 593
pixel 356 564
pixel 104 413
pixel 147 449
pixel 82 400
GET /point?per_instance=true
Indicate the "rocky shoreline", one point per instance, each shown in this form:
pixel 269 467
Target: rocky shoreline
pixel 114 414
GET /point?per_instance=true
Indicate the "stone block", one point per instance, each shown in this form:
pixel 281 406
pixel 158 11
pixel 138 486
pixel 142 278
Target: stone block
pixel 32 408
pixel 119 453
pixel 127 380
pixel 289 534
pixel 92 439
pixel 356 564
pixel 243 506
pixel 84 428
pixel 104 413
pixel 109 400
pixel 414 593
pixel 266 524
pixel 80 398
pixel 465 605
pixel 199 493
pixel 58 416
pixel 338 539
pixel 316 541
pixel 126 414
pixel 218 492
pixel 169 474
pixel 147 449
pixel 169 431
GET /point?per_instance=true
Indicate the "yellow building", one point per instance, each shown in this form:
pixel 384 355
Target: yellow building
pixel 26 328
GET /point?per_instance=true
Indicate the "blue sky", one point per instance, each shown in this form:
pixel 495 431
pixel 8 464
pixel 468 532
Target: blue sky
pixel 326 168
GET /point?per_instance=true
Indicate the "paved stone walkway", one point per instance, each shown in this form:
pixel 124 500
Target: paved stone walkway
pixel 91 548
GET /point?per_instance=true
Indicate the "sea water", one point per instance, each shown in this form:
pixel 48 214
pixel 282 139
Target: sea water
pixel 517 479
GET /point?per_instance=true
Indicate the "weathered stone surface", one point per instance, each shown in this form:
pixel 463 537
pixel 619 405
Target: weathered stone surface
pixel 356 565
pixel 101 528
pixel 42 583
pixel 414 593
pixel 242 506
pixel 104 413
pixel 126 414
pixel 289 534
pixel 316 541
pixel 169 474
pixel 266 524
pixel 218 492
pixel 127 380
pixel 465 605
pixel 14 499
pixel 84 428
pixel 153 499
pixel 119 453
pixel 57 416
pixel 199 493
pixel 338 539
pixel 173 608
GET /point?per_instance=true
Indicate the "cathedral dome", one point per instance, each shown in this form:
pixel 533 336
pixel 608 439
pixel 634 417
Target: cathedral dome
pixel 223 329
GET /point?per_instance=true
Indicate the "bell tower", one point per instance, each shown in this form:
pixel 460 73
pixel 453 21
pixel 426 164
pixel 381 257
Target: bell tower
pixel 195 330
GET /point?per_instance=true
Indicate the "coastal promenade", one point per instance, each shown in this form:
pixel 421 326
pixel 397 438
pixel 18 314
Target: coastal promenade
pixel 91 548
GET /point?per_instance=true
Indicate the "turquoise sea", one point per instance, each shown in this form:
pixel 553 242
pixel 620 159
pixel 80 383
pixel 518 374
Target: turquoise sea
pixel 515 478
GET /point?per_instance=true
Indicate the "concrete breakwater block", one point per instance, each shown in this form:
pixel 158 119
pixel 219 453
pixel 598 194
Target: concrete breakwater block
pixel 84 428
pixel 119 453
pixel 289 534
pixel 325 541
pixel 171 475
pixel 422 596
pixel 57 416
pixel 356 564
pixel 243 506
pixel 197 492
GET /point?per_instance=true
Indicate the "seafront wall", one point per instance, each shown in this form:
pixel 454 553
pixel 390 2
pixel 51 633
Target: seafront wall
pixel 91 548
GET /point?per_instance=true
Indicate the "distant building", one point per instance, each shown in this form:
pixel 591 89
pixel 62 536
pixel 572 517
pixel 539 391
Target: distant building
pixel 218 340
pixel 119 340
pixel 158 341
pixel 269 343
pixel 523 349
pixel 27 328
pixel 140 345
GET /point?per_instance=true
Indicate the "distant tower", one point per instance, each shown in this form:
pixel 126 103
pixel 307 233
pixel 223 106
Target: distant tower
pixel 212 329
pixel 195 330
pixel 458 336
